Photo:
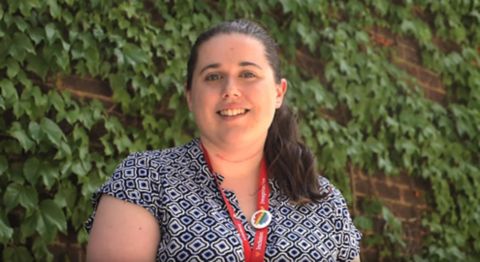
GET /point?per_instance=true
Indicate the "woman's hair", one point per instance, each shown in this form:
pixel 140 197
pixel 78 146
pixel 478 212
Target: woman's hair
pixel 290 162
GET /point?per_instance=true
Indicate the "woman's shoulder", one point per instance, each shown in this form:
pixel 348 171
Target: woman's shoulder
pixel 333 197
pixel 324 185
pixel 140 177
pixel 329 189
pixel 160 157
pixel 158 166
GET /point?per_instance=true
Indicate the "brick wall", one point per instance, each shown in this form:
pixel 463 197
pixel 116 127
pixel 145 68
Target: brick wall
pixel 406 56
pixel 403 195
pixel 66 248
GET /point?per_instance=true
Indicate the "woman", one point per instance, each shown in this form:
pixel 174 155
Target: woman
pixel 246 190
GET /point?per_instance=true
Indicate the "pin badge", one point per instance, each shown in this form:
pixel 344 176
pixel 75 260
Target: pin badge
pixel 261 219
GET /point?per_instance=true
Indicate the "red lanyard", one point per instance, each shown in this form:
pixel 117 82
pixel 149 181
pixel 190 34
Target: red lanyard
pixel 260 219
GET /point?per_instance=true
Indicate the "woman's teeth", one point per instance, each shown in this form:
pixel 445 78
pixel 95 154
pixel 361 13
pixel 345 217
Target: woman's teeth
pixel 232 112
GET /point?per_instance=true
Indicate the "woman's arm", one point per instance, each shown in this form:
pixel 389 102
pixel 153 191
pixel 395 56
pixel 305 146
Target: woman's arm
pixel 122 231
pixel 356 259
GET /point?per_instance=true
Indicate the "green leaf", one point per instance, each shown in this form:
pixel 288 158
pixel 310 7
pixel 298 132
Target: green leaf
pixel 361 37
pixel 407 26
pixel 93 59
pixel 17 254
pixel 27 6
pixel 29 225
pixel 21 46
pixel 50 32
pixel 30 169
pixel 66 195
pixel 6 232
pixel 381 6
pixel 63 152
pixel 9 92
pixel 40 249
pixel 2 103
pixel 35 131
pixel 56 100
pixel 37 35
pixel 49 175
pixel 12 68
pixel 120 94
pixel 363 223
pixel 372 206
pixel 55 10
pixel 134 55
pixel 53 131
pixel 37 65
pixel 3 164
pixel 53 214
pixel 17 194
pixel 288 5
pixel 63 60
pixel 17 132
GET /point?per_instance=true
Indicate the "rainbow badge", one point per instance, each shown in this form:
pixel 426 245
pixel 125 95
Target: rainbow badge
pixel 261 219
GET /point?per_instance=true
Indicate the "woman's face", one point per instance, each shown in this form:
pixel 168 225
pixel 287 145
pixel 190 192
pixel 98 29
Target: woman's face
pixel 233 95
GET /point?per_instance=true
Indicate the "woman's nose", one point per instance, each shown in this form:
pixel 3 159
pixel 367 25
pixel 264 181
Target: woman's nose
pixel 230 89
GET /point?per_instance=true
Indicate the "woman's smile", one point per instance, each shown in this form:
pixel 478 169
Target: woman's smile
pixel 233 112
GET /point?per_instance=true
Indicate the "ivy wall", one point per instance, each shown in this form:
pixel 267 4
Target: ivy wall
pixel 358 109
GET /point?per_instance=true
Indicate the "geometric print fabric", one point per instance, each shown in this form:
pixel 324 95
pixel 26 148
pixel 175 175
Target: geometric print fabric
pixel 177 188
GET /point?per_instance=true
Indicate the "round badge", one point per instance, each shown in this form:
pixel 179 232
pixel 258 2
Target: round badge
pixel 261 219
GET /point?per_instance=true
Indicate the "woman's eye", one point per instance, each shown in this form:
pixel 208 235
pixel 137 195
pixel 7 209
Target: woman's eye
pixel 213 77
pixel 247 75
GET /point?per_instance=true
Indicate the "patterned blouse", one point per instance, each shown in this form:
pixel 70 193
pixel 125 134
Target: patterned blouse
pixel 177 188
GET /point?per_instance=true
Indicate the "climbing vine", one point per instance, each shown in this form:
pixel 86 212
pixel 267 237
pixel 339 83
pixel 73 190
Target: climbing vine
pixel 355 108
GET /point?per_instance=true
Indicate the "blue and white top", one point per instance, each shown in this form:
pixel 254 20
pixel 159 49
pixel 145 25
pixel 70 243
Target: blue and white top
pixel 177 188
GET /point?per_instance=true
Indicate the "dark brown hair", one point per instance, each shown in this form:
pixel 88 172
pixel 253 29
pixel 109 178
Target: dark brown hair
pixel 290 162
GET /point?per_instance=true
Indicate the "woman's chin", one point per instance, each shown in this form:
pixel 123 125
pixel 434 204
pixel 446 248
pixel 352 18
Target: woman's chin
pixel 235 139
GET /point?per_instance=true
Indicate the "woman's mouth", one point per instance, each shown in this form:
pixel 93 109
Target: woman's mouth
pixel 232 112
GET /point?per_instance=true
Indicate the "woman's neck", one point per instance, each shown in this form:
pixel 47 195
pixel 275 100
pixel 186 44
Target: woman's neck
pixel 240 167
pixel 235 162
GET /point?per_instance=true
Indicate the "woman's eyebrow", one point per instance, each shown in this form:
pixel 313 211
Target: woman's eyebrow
pixel 215 65
pixel 247 63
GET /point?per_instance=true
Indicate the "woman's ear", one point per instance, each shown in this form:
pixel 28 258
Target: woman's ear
pixel 281 89
pixel 188 96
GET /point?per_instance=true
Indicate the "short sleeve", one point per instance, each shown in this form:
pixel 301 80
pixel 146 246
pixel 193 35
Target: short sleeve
pixel 347 237
pixel 350 236
pixel 134 181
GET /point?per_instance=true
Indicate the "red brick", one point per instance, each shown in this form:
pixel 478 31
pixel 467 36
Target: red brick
pixel 358 174
pixel 309 62
pixel 408 53
pixel 382 36
pixel 411 69
pixel 436 83
pixel 359 200
pixel 387 191
pixel 402 180
pixel 379 176
pixel 444 46
pixel 362 186
pixel 413 196
pixel 427 77
pixel 63 252
pixel 435 95
pixel 369 255
pixel 414 234
pixel 88 85
pixel 401 211
pixel 407 41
